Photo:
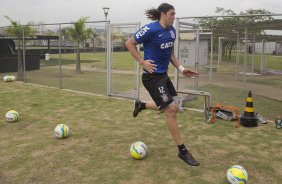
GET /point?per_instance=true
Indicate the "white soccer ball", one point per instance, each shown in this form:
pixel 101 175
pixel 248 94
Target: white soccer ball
pixel 6 78
pixel 12 116
pixel 138 150
pixel 236 174
pixel 62 131
pixel 12 78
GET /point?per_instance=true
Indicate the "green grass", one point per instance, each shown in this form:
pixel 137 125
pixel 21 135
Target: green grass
pixel 121 60
pixel 89 81
pixel 273 81
pixel 272 61
pixel 124 61
pixel 267 107
pixel 102 130
pixel 234 97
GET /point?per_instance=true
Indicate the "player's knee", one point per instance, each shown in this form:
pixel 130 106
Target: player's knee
pixel 172 108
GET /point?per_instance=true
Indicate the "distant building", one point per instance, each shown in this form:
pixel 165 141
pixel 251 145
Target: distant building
pixel 187 49
pixel 269 48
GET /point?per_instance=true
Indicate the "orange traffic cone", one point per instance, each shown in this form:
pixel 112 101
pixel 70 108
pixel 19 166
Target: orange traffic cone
pixel 249 119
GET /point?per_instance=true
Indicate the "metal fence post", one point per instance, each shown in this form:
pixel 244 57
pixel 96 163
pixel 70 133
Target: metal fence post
pixel 60 58
pixel 176 51
pixel 246 54
pixel 138 69
pixel 24 73
pixel 237 54
pixel 211 62
pixel 253 55
pixel 197 56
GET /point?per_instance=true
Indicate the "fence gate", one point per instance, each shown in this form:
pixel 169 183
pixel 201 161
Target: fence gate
pixel 122 70
pixel 191 51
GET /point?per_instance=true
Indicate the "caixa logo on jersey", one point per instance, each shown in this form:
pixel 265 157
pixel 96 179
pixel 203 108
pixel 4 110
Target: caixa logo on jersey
pixel 141 32
pixel 167 45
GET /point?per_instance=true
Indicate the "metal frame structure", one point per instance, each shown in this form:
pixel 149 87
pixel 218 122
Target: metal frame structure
pixel 227 32
pixel 110 91
pixel 224 32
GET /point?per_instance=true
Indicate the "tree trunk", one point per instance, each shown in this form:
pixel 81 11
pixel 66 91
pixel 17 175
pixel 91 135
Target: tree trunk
pixel 20 76
pixel 230 50
pixel 223 51
pixel 64 45
pixel 78 69
pixel 93 44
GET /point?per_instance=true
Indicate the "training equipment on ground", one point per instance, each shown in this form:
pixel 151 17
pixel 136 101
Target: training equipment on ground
pixel 228 113
pixel 236 174
pixel 12 116
pixel 225 115
pixel 138 150
pixel 260 119
pixel 62 131
pixel 249 119
pixel 278 122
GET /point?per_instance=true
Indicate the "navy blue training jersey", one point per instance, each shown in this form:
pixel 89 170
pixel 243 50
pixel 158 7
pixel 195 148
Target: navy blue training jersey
pixel 158 44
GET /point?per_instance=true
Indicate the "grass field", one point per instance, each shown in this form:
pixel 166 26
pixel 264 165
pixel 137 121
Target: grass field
pixel 124 60
pixel 102 130
pixel 121 60
pixel 272 61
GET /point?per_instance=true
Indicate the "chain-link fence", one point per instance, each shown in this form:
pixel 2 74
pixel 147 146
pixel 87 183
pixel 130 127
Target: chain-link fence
pixel 123 70
pixel 57 55
pixel 240 52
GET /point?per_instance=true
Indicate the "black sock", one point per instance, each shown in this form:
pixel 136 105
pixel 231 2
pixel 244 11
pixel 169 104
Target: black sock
pixel 182 149
pixel 142 106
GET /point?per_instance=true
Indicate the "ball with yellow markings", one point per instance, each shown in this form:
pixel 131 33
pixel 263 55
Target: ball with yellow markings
pixel 236 174
pixel 138 150
pixel 62 131
pixel 12 116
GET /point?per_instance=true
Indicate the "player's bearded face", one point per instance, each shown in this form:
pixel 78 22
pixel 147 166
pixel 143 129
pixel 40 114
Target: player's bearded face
pixel 170 17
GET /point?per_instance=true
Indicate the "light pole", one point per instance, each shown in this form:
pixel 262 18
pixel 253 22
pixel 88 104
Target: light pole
pixel 106 11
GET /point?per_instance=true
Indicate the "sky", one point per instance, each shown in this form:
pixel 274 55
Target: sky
pixel 121 11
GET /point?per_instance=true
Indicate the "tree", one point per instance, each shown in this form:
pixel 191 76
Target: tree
pixel 17 30
pixel 65 36
pixel 93 35
pixel 218 23
pixel 79 33
pixel 123 40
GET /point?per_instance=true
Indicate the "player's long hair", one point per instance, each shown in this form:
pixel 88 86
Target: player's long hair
pixel 155 14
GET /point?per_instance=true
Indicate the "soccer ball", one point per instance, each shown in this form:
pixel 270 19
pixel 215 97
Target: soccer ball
pixel 236 174
pixel 138 150
pixel 62 131
pixel 12 116
pixel 9 78
pixel 12 78
pixel 6 78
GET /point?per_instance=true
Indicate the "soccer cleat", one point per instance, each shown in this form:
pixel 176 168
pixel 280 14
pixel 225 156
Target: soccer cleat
pixel 189 159
pixel 137 108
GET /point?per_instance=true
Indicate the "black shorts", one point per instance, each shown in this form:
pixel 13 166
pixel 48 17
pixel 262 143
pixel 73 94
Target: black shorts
pixel 160 88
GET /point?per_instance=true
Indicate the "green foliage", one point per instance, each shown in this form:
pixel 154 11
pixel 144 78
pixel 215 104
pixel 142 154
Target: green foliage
pixel 79 32
pixel 253 19
pixel 228 18
pixel 226 24
pixel 17 30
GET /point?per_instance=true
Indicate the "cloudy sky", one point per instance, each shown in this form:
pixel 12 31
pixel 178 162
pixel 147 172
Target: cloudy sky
pixel 55 11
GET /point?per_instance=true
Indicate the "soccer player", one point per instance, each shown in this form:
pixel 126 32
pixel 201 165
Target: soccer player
pixel 158 41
